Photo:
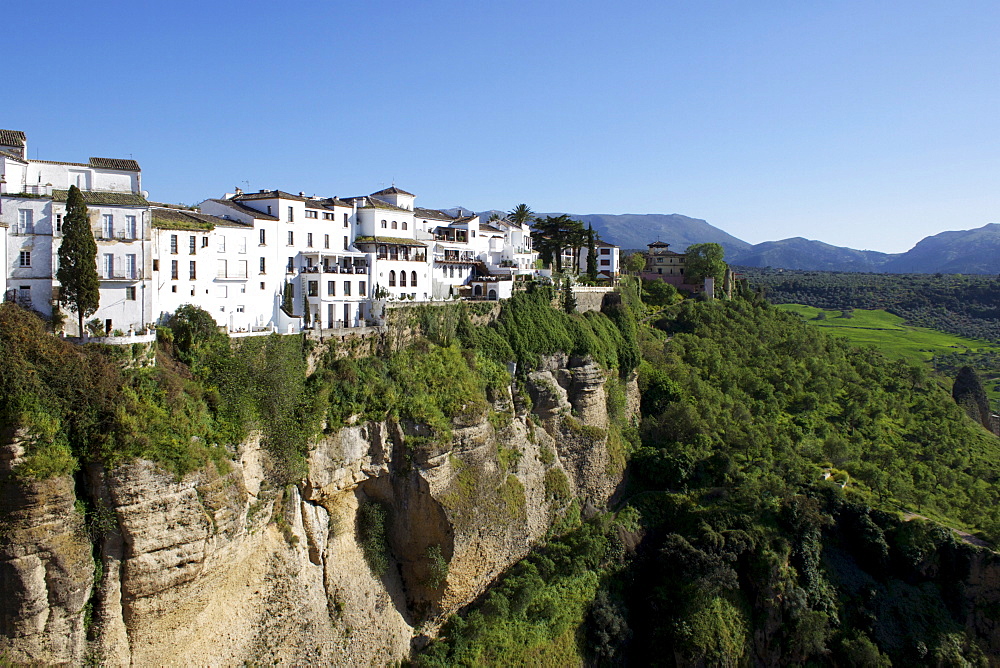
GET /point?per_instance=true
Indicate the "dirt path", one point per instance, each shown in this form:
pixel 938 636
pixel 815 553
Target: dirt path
pixel 964 535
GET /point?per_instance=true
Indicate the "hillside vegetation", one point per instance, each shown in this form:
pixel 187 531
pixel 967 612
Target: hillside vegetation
pixel 762 522
pixel 938 351
pixel 965 305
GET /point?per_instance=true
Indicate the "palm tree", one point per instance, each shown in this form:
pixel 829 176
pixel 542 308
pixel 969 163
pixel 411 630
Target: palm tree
pixel 521 214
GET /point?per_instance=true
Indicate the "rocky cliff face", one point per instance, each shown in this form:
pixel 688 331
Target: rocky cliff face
pixel 221 567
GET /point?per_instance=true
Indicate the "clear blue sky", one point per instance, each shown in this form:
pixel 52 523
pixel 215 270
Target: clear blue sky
pixel 866 124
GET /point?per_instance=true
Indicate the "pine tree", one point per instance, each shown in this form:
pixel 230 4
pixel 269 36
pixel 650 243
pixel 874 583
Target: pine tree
pixel 77 274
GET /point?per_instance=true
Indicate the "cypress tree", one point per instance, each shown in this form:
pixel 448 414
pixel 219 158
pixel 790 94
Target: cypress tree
pixel 591 254
pixel 569 299
pixel 77 274
pixel 969 393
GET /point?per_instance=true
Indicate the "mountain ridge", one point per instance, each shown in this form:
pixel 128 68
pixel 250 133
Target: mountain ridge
pixel 971 251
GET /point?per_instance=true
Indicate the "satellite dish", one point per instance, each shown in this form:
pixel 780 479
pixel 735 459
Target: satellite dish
pixel 145 194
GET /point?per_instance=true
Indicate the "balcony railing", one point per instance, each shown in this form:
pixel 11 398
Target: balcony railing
pixel 119 275
pixel 401 258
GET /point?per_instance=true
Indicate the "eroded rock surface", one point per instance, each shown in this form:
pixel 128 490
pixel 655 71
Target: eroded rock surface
pixel 223 567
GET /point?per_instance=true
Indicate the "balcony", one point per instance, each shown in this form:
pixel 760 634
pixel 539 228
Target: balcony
pixel 120 275
pixel 121 235
pixel 402 257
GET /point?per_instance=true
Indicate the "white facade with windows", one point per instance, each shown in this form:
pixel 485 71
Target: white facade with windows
pixel 608 259
pixel 264 261
pixel 32 205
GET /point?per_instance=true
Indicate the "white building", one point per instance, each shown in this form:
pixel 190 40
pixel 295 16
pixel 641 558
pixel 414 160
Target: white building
pixel 608 259
pixel 309 271
pixel 32 205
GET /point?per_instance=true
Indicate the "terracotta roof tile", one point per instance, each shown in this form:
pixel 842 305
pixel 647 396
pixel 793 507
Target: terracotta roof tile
pixel 392 190
pixel 115 163
pixel 244 209
pixel 100 197
pixel 270 194
pixel 14 138
pixel 398 241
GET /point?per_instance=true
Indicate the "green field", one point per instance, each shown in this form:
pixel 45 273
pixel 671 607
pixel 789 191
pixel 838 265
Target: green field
pixel 894 339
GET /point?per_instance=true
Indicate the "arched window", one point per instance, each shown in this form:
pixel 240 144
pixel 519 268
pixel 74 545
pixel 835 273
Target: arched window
pixel 402 279
pixel 493 294
pixel 404 224
pixel 394 224
pixel 477 291
pixel 413 279
pixel 383 224
pixel 392 279
pixel 452 272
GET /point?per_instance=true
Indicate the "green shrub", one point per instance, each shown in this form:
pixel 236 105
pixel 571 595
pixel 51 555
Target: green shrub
pixel 372 533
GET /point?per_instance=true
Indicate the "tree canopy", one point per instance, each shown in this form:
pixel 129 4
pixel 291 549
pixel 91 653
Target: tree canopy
pixel 635 263
pixel 553 234
pixel 77 271
pixel 704 261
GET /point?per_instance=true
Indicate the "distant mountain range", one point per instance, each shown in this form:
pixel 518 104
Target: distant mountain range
pixel 974 251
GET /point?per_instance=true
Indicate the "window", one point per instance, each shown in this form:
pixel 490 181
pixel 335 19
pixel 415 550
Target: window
pixel 108 226
pixel 413 279
pixel 291 214
pixel 239 308
pixel 192 270
pixel 326 241
pixel 131 228
pixel 25 259
pixel 347 288
pixel 346 243
pixel 345 220
pixel 384 225
pixel 173 288
pixel 404 224
pixel 25 221
pixel 314 288
pixel 309 240
pixel 605 251
pixel 361 289
pixel 291 238
pixel 394 225
pixel 156 265
pixel 241 245
pixel 312 214
pixel 131 266
pixel 263 268
pixel 327 215
pixel 605 263
pixel 221 243
pixel 220 268
pixel 241 269
pixel 331 288
pixel 109 265
pixel 59 222
pixel 192 245
pixel 263 237
pixel 204 242
pixel 290 267
pixel 402 279
pixel 130 294
pixel 173 269
pixel 173 244
pixel 262 285
pixel 269 209
pixel 392 279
